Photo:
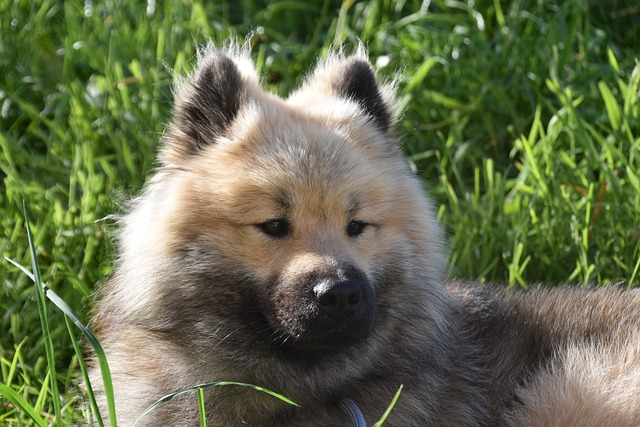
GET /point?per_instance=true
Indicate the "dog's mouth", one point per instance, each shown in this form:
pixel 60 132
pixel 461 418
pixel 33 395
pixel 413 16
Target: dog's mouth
pixel 323 339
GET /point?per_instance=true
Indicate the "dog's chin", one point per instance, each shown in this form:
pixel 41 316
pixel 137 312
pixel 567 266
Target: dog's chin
pixel 329 343
pixel 313 344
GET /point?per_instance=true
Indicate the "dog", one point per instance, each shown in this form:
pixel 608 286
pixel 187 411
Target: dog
pixel 286 243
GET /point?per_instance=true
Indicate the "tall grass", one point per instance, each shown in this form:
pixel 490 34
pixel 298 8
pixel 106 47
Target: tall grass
pixel 522 117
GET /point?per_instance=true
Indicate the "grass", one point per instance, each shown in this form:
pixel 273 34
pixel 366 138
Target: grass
pixel 522 117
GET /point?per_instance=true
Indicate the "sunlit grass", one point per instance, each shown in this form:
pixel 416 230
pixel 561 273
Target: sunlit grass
pixel 522 118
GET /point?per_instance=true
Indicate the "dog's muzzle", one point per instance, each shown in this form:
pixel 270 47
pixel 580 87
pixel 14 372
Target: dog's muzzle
pixel 327 310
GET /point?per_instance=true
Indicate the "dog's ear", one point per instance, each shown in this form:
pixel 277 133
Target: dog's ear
pixel 351 78
pixel 207 102
pixel 356 80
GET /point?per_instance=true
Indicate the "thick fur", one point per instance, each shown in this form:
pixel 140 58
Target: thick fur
pixel 285 243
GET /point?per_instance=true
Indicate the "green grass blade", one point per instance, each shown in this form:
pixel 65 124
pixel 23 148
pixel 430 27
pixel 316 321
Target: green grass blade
pixel 201 408
pixel 613 61
pixel 171 396
pixel 21 403
pixel 499 14
pixel 389 408
pixel 41 399
pixel 97 348
pixel 635 273
pixel 44 321
pixel 611 105
pixel 14 362
pixel 420 75
pixel 83 369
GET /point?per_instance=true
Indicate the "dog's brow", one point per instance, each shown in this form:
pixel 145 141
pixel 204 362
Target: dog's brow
pixel 283 199
pixel 353 204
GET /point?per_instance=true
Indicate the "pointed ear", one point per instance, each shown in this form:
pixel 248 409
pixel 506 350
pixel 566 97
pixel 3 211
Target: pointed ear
pixel 208 101
pixel 351 78
pixel 356 80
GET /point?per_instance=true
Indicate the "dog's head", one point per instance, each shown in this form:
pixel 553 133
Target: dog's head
pixel 297 216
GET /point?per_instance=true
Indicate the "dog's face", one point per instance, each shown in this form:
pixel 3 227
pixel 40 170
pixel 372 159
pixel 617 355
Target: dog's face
pixel 296 217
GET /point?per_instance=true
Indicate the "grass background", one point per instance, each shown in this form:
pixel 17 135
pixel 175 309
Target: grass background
pixel 522 117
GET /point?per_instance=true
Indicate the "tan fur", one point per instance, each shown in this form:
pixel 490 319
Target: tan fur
pixel 587 385
pixel 205 290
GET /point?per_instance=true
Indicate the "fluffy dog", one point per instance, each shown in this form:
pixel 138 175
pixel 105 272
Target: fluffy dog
pixel 285 243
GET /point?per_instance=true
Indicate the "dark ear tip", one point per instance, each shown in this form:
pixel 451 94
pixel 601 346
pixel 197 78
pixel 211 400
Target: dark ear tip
pixel 361 66
pixel 358 77
pixel 214 60
pixel 359 83
pixel 208 103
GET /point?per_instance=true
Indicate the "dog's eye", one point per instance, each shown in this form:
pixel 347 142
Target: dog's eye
pixel 275 228
pixel 355 228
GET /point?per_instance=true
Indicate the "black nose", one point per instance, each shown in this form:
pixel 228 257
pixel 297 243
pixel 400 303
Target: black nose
pixel 338 298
